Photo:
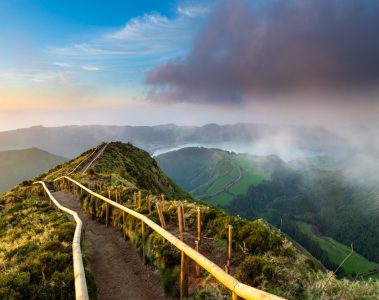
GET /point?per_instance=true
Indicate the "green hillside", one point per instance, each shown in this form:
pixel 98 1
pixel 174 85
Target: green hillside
pixel 19 165
pixel 315 191
pixel 355 265
pixel 212 175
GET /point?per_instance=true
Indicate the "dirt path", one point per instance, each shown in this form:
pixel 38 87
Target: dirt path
pixel 118 269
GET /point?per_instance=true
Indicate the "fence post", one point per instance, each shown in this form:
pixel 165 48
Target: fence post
pixel 199 225
pixel 160 214
pixel 184 270
pixel 143 241
pixel 163 202
pixel 180 223
pixel 139 199
pixel 227 266
pixel 197 266
pixel 183 220
pixel 149 203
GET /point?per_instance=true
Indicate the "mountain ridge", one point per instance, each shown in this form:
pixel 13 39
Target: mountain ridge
pixel 70 141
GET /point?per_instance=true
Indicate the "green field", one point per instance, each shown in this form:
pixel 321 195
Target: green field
pixel 356 264
pixel 250 176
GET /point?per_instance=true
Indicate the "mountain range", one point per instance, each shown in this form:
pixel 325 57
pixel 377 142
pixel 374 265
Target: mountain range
pixel 70 141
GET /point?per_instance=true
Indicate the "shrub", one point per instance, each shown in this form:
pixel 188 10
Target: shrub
pixel 255 270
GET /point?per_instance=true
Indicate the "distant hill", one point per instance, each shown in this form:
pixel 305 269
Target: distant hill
pixel 70 141
pixel 19 165
pixel 310 199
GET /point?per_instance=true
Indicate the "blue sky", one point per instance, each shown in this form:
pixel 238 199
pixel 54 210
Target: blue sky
pixel 56 54
pixel 192 62
pixel 96 41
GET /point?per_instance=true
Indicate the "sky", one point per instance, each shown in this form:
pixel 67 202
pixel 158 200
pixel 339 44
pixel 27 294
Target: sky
pixel 188 62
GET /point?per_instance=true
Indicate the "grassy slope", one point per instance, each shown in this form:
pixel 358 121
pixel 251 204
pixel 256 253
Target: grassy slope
pixel 35 248
pixel 215 168
pixel 252 176
pixel 136 166
pixel 356 264
pixel 19 165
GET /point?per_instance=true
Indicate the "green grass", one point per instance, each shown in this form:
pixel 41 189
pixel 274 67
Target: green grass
pixel 221 199
pixel 221 182
pixel 250 176
pixel 356 264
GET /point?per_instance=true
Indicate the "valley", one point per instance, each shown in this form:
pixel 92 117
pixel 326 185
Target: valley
pixel 301 197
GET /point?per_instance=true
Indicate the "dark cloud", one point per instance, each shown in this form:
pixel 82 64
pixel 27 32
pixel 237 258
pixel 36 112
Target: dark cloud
pixel 249 49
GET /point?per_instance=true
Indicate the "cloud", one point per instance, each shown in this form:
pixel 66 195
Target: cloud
pixel 250 49
pixel 152 35
pixel 62 64
pixel 193 11
pixel 143 28
pixel 40 76
pixel 91 68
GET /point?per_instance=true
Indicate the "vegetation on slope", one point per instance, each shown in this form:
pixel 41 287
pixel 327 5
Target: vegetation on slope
pixel 262 256
pixel 35 248
pixel 213 175
pixel 315 191
pixel 19 165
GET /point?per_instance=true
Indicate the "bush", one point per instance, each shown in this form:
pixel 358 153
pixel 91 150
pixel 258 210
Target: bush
pixel 255 270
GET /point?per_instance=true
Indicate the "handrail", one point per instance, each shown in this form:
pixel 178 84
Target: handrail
pixel 101 151
pixel 240 289
pixel 87 158
pixel 81 292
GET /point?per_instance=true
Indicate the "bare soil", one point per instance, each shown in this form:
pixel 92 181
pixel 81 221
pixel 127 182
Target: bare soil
pixel 118 269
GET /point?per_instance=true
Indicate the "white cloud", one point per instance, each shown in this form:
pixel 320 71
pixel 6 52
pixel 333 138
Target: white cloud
pixel 35 76
pixel 149 35
pixel 62 64
pixel 193 11
pixel 91 68
pixel 141 28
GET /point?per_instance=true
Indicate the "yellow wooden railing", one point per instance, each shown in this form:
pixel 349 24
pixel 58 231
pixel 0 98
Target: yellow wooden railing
pixel 237 288
pixel 81 291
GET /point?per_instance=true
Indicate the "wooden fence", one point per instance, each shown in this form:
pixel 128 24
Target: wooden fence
pixel 81 291
pixel 237 288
